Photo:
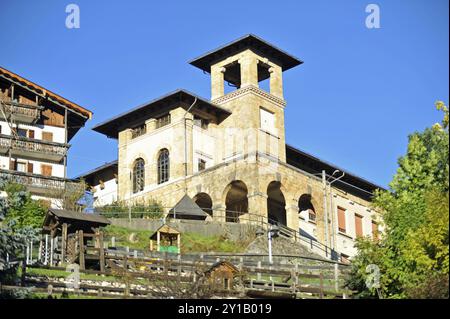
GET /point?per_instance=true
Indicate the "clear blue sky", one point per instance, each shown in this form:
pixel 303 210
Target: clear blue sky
pixel 353 102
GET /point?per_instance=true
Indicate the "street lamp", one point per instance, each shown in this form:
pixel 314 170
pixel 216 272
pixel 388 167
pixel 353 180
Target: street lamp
pixel 272 233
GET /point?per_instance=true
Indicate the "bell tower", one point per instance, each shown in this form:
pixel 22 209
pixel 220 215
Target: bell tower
pixel 257 118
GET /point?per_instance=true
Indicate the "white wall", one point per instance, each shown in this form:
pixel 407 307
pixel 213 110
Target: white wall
pixel 58 132
pixel 105 196
pixel 203 143
pixel 345 242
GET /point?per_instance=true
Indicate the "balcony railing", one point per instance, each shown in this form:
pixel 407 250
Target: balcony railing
pixel 20 112
pixel 51 186
pixel 32 148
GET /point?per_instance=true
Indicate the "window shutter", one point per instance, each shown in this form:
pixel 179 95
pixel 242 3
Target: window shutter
pixel 375 233
pixel 358 225
pixel 47 136
pixel 341 219
pixel 12 165
pixel 30 167
pixel 46 170
pixel 31 133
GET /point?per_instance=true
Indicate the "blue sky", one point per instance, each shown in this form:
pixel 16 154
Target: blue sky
pixel 353 102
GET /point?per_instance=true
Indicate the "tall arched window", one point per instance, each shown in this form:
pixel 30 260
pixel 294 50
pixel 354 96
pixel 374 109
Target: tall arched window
pixel 163 166
pixel 138 175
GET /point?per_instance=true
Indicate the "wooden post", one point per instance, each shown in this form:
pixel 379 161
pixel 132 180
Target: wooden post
pixel 179 243
pixel 101 251
pixel 31 251
pixel 321 285
pixel 258 275
pixel 40 250
pixel 151 244
pixel 63 242
pixel 52 241
pixel 24 272
pixel 46 250
pixel 81 243
pixel 158 240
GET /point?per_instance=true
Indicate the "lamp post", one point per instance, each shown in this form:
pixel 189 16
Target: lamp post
pixel 333 232
pixel 272 232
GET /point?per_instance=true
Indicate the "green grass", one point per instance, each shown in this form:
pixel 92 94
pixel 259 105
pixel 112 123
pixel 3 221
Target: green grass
pixel 190 242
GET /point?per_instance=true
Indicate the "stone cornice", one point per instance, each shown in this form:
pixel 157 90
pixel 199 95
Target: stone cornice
pixel 245 90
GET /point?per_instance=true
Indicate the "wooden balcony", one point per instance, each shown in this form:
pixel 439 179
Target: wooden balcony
pixel 48 186
pixel 29 148
pixel 19 112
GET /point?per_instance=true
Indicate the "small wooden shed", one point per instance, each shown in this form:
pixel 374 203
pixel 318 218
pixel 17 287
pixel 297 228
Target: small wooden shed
pixel 165 237
pixel 222 273
pixel 73 230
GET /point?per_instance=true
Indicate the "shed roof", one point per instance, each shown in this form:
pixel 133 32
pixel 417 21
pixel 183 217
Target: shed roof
pixel 187 207
pixel 164 229
pixel 78 216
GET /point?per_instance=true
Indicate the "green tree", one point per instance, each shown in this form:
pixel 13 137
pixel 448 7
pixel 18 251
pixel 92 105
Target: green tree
pixel 13 235
pixel 414 246
pixel 22 208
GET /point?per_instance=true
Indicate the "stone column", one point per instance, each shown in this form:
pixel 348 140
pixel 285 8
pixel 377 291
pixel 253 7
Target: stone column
pixel 124 186
pixel 257 207
pixel 217 82
pixel 218 212
pixel 276 81
pixel 249 70
pixel 150 125
pixel 292 217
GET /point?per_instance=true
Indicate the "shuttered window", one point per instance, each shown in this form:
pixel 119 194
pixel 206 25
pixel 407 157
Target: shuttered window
pixel 267 121
pixel 47 136
pixel 46 170
pixel 30 168
pixel 341 219
pixel 359 225
pixel 375 233
pixel 30 133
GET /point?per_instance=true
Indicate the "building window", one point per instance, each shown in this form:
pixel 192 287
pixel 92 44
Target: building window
pixel 311 216
pixel 375 232
pixel 341 219
pixel 46 170
pixel 163 166
pixel 201 164
pixel 138 131
pixel 22 132
pixel 138 175
pixel 267 120
pixel 47 136
pixel 21 167
pixel 163 121
pixel 201 122
pixel 359 225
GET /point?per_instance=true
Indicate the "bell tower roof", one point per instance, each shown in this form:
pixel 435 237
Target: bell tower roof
pixel 249 41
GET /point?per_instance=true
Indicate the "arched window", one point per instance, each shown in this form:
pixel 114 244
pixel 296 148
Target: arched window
pixel 163 166
pixel 138 175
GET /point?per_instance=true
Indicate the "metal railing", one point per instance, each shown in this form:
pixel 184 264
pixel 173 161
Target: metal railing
pixel 248 219
pixel 32 145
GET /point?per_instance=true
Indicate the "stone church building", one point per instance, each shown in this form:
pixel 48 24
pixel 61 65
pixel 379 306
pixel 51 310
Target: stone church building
pixel 229 154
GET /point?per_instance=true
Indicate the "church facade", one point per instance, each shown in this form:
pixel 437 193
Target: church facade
pixel 229 153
